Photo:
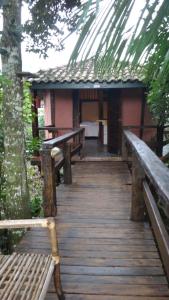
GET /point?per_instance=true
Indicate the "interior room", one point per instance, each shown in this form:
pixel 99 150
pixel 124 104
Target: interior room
pixel 93 117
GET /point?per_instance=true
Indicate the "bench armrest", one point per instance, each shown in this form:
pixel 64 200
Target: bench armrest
pixel 49 223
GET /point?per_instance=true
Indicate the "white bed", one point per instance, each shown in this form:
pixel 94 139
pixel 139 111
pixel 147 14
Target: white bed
pixel 91 128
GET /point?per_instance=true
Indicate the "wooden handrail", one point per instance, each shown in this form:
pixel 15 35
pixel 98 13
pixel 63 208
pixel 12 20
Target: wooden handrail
pixel 153 167
pixel 61 139
pixel 139 126
pixel 143 126
pixel 69 144
pixel 150 185
pixel 54 131
pixel 161 131
pixel 160 231
pixel 53 128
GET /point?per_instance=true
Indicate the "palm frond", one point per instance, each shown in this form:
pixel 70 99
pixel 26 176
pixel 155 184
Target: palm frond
pixel 104 34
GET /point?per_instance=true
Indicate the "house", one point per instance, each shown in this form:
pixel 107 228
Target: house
pixel 103 104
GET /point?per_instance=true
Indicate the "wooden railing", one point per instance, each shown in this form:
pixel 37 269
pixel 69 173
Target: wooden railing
pixel 150 188
pixel 57 153
pixel 161 133
pixel 54 130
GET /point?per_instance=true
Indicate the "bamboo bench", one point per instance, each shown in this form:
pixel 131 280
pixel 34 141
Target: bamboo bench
pixel 27 276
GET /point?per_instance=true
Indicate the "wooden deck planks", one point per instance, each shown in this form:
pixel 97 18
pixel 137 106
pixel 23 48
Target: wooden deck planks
pixel 104 255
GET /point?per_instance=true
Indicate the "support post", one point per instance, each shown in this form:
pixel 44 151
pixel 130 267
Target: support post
pixel 124 149
pixel 143 104
pixel 160 132
pixel 49 189
pixel 76 108
pixel 55 255
pixel 101 127
pixel 35 130
pixel 52 106
pixel 67 163
pixel 82 141
pixel 75 97
pixel 137 205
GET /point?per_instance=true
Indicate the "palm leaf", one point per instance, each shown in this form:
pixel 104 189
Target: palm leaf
pixel 109 31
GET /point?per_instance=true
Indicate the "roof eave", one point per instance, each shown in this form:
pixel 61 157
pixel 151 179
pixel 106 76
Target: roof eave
pixel 87 85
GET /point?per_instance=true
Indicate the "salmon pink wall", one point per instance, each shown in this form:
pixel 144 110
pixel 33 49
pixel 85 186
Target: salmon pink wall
pixel 148 120
pixel 131 108
pixel 131 112
pixel 63 109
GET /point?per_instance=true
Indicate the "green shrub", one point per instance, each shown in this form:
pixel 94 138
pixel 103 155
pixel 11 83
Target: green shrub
pixel 35 189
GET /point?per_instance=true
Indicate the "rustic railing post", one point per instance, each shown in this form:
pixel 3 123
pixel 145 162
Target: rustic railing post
pixel 75 139
pixel 137 204
pixel 67 163
pixel 49 188
pixel 82 142
pixel 124 149
pixel 159 148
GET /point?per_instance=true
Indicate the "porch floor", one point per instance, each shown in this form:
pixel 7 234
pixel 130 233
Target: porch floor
pixel 93 148
pixel 104 255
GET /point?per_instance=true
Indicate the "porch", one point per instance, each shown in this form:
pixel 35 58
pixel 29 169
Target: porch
pixel 104 255
pixel 93 148
pixel 113 243
pixel 111 226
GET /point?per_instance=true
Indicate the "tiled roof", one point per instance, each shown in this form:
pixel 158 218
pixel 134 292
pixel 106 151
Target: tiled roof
pixel 84 73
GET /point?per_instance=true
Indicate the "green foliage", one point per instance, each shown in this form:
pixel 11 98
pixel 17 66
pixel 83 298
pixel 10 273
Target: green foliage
pixel 27 103
pixel 106 34
pixel 35 189
pixel 32 144
pixel 1 156
pixel 49 17
pixel 1 131
pixel 157 74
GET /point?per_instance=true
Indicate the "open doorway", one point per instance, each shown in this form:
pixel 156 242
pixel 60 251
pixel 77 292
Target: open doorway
pixel 100 112
pixel 89 118
pixel 93 117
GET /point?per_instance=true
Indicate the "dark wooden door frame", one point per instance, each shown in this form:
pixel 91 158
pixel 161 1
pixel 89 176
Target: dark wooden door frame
pixel 76 108
pixel 143 104
pixel 101 128
pixel 114 121
pixel 52 105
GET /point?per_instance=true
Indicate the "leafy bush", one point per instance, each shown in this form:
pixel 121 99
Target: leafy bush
pixel 35 189
pixel 32 144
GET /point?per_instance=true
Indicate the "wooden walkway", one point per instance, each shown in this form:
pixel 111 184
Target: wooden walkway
pixel 104 255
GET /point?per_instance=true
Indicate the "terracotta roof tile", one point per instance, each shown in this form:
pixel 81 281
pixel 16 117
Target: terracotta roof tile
pixel 85 72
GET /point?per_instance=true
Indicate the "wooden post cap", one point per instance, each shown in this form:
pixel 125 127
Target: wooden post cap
pixel 55 152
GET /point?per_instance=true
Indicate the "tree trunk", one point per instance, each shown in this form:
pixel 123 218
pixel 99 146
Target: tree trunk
pixel 14 163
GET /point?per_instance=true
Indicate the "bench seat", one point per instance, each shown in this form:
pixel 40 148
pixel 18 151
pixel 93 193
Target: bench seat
pixel 25 276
